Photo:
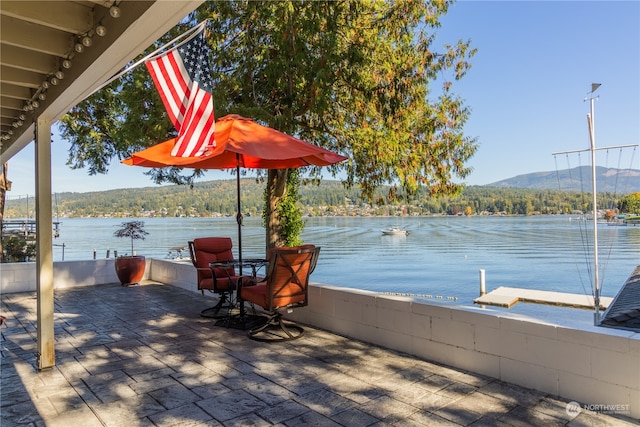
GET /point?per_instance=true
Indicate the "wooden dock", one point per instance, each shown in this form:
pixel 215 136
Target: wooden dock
pixel 507 297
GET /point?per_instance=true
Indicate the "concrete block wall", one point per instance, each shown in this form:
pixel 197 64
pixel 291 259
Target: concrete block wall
pixel 177 273
pixel 21 277
pixel 591 365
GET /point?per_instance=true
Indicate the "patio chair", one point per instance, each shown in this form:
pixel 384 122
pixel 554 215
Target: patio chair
pixel 222 281
pixel 285 287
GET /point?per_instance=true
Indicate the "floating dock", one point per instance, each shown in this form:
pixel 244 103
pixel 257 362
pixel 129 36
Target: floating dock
pixel 507 297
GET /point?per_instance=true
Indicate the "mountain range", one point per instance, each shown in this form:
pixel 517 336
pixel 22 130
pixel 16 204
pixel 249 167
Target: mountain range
pixel 609 180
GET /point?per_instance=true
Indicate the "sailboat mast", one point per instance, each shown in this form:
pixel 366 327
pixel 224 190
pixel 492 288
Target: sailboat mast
pixel 592 138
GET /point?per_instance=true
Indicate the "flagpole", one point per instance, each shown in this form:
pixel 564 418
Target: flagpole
pixel 592 139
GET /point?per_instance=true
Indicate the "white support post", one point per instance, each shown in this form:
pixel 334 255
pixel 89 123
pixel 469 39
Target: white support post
pixel 44 245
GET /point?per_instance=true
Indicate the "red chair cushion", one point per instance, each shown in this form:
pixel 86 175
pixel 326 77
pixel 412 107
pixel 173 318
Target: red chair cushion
pixel 213 249
pixel 256 294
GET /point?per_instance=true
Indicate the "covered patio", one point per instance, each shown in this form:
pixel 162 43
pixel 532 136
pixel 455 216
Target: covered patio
pixel 143 356
pixel 54 55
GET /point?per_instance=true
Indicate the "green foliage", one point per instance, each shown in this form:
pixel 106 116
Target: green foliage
pixel 18 249
pixel 630 203
pixel 133 230
pixel 289 212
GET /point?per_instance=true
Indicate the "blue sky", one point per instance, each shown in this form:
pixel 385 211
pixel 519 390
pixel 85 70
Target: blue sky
pixel 534 67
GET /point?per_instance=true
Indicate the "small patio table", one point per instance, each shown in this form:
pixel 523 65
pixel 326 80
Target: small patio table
pixel 241 321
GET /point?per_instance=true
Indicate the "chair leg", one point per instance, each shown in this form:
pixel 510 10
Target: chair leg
pixel 220 310
pixel 276 329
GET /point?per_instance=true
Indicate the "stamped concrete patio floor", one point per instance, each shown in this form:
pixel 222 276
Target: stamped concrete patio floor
pixel 142 356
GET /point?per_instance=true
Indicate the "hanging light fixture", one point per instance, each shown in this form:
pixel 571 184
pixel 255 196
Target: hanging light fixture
pixel 87 41
pixel 114 11
pixel 101 30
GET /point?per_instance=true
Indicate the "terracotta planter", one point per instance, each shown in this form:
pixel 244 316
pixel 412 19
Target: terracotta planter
pixel 130 269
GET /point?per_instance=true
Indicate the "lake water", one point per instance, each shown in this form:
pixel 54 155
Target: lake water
pixel 441 256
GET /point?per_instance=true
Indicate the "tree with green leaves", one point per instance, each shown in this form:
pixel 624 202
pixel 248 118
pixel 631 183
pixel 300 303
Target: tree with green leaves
pixel 134 230
pixel 352 76
pixel 630 203
pixel 17 249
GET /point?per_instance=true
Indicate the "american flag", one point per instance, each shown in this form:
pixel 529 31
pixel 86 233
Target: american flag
pixel 183 79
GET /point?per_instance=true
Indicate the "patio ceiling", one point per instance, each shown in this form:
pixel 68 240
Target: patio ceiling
pixel 40 39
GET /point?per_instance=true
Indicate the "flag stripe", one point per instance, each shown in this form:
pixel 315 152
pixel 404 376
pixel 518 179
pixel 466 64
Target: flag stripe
pixel 152 67
pixel 195 122
pixel 169 78
pixel 178 81
pixel 185 141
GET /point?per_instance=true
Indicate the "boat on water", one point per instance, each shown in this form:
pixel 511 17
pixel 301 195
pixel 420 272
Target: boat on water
pixel 394 231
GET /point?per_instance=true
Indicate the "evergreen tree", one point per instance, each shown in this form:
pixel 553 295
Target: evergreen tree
pixel 351 76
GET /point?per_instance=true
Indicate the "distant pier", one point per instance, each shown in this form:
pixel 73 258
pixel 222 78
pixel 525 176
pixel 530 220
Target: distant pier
pixel 25 228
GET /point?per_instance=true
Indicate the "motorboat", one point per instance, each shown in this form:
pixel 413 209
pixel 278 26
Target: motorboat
pixel 394 231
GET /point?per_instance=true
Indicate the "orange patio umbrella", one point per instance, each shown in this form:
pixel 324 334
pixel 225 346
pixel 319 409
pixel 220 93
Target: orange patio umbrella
pixel 241 142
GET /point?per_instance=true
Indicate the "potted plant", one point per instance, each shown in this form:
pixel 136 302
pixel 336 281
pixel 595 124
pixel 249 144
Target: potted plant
pixel 130 268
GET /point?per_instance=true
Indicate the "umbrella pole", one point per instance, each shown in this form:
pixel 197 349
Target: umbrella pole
pixel 239 214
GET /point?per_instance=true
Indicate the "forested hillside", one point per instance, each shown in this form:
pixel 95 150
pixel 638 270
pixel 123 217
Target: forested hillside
pixel 218 198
